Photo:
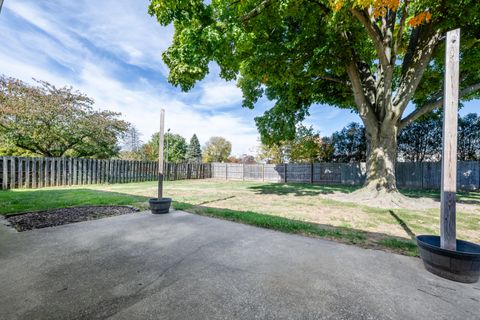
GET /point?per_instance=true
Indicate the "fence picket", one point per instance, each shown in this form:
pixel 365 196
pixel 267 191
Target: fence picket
pixel 5 173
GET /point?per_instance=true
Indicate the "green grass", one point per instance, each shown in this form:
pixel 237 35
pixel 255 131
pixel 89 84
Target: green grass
pixel 294 208
pixel 407 247
pixel 18 201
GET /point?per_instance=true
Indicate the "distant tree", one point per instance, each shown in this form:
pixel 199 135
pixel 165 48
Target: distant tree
pixel 132 145
pixel 421 140
pixel 326 150
pixel 56 122
pixel 217 149
pixel 350 143
pixel 194 151
pixel 274 154
pixel 305 147
pixel 233 159
pixel 177 148
pixel 469 137
pixel 244 158
pixel 131 139
pixel 247 159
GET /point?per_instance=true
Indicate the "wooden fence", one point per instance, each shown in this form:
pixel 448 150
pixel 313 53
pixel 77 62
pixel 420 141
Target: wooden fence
pixel 17 172
pixel 417 175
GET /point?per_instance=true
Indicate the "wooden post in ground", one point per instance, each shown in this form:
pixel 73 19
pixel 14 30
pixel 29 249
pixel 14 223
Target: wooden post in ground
pixel 160 154
pixel 449 154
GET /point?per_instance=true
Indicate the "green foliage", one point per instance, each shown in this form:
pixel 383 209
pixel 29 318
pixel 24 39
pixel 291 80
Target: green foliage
pixel 421 140
pixel 305 147
pixel 194 152
pixel 273 154
pixel 217 149
pixel 177 148
pixel 56 122
pixel 469 137
pixel 350 143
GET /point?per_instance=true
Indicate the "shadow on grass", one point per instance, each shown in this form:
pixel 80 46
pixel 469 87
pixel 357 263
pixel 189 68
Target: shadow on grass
pixel 466 197
pixel 21 201
pixel 346 235
pixel 402 224
pixel 301 189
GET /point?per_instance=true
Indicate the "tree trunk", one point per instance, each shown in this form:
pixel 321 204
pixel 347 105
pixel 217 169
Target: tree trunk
pixel 381 157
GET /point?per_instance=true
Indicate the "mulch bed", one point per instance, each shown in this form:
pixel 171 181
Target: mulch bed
pixel 57 217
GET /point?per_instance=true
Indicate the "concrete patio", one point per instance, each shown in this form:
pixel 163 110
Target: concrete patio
pixel 183 266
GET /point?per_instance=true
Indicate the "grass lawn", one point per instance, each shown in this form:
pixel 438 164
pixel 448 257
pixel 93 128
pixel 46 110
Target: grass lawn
pixel 295 208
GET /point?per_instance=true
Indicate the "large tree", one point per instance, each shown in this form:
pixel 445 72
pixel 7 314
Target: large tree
pixel 56 122
pixel 372 56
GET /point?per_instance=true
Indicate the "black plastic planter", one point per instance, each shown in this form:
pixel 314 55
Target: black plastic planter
pixel 158 206
pixel 462 265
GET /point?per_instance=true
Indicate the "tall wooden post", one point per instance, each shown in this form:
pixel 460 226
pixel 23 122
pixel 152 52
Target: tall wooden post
pixel 160 154
pixel 449 154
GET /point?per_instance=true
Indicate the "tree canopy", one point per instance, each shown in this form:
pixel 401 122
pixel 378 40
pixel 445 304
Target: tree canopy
pixel 217 149
pixel 177 148
pixel 56 122
pixel 372 56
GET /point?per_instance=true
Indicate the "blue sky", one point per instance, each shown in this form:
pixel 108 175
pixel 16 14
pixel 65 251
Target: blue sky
pixel 111 50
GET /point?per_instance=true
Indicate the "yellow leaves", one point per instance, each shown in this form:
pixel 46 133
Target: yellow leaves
pixel 337 4
pixel 379 7
pixel 420 18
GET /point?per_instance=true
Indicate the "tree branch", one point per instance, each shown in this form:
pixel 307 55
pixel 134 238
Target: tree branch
pixel 333 79
pixel 257 10
pixel 417 113
pixel 401 26
pixel 421 51
pixel 374 32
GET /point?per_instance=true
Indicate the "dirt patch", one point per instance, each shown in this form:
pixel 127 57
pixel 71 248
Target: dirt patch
pixel 58 217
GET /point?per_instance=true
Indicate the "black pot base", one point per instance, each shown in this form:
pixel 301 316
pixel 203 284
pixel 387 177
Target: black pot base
pixel 462 265
pixel 160 206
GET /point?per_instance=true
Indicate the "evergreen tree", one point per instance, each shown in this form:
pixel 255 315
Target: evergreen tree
pixel 194 152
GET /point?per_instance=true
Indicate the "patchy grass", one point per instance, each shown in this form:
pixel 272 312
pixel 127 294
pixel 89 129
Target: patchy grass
pixel 276 223
pixel 294 208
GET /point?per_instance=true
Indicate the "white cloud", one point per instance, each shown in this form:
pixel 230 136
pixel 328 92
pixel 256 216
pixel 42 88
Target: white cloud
pixel 124 30
pixel 220 93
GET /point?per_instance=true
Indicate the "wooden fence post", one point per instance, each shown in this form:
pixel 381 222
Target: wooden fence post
pixel 449 154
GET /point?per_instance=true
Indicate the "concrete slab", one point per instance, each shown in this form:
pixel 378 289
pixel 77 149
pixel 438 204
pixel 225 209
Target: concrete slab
pixel 183 266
